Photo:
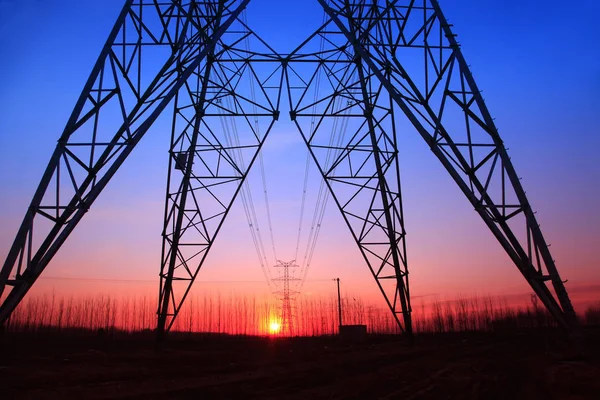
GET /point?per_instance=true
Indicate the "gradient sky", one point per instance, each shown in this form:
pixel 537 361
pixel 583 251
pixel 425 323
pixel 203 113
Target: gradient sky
pixel 537 62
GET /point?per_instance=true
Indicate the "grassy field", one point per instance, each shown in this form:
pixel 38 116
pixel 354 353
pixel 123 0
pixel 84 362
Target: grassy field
pixel 536 364
pixel 239 315
pixel 469 348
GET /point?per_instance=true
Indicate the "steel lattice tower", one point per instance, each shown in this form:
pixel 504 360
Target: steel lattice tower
pixel 382 64
pixel 286 296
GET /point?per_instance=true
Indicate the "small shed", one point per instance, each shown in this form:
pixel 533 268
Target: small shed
pixel 353 333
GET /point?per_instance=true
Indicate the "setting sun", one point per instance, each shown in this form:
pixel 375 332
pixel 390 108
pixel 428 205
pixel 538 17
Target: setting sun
pixel 274 327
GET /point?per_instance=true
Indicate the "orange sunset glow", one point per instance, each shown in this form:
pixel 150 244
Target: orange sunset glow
pixel 274 327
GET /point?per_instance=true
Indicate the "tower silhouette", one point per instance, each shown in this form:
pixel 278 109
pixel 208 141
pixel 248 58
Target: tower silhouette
pixel 286 296
pixel 377 63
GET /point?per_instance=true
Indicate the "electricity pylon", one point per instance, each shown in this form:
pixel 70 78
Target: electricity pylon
pixel 378 64
pixel 286 295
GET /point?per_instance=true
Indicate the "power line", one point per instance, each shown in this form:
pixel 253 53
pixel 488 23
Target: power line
pixel 231 135
pixel 304 269
pixel 116 280
pixel 260 159
pixel 336 139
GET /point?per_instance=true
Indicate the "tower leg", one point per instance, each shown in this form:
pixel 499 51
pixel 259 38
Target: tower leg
pixel 221 119
pixel 119 103
pixel 347 121
pixel 384 38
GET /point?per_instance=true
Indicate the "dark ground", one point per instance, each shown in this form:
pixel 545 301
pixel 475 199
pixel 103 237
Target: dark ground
pixel 532 365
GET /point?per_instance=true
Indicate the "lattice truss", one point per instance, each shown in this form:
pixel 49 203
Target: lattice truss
pixel 151 52
pixel 371 70
pixel 410 48
pixel 222 117
pixel 347 120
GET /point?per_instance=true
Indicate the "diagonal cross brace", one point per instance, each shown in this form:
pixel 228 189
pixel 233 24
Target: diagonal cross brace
pixel 563 312
pixel 61 231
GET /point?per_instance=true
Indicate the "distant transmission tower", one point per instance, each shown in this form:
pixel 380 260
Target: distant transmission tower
pixel 286 296
pixel 371 70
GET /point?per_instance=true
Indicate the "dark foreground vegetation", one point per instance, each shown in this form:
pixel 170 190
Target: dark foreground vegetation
pixel 249 316
pixel 83 364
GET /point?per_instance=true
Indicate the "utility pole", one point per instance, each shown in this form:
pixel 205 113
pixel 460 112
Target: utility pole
pixel 339 302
